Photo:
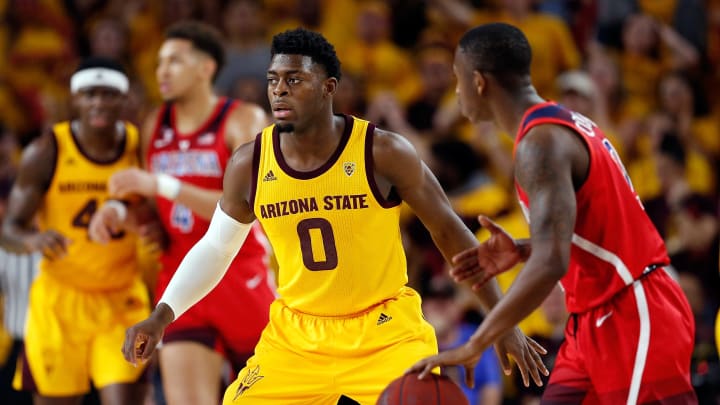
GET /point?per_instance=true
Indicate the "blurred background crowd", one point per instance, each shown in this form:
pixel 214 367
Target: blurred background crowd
pixel 647 71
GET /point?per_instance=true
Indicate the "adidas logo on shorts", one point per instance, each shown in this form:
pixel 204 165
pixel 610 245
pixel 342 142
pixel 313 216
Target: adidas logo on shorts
pixel 383 319
pixel 269 176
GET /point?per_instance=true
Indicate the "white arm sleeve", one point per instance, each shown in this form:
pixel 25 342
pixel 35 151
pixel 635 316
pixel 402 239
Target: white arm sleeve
pixel 206 263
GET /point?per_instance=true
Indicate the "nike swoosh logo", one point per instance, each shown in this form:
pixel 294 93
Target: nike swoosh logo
pixel 254 282
pixel 602 319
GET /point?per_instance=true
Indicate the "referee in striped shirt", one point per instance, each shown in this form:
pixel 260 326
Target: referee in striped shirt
pixel 16 274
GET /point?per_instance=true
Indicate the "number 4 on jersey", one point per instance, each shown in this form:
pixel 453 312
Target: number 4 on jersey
pixel 82 218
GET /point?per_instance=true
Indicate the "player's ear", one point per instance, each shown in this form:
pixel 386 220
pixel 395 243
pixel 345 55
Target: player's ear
pixel 479 81
pixel 209 67
pixel 330 86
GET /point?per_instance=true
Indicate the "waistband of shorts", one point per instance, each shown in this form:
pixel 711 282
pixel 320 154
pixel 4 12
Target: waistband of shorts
pixel 648 270
pixel 357 314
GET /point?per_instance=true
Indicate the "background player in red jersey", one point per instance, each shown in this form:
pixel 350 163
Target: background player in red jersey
pixel 630 335
pixel 187 143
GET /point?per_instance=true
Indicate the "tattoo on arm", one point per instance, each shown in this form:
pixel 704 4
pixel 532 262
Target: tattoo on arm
pixel 544 171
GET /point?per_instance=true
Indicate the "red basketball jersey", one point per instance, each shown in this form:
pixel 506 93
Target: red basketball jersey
pixel 198 158
pixel 614 241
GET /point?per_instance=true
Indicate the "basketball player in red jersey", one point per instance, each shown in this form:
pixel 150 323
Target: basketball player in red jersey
pixel 630 336
pixel 187 142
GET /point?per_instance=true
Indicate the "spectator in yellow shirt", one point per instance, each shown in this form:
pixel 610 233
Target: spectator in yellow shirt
pixel 383 65
pixel 553 48
pixel 649 50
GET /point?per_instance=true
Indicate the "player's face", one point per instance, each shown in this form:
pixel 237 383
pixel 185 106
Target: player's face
pixel 467 90
pixel 298 90
pixel 99 107
pixel 180 67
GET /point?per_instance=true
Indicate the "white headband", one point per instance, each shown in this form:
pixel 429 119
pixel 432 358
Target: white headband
pixel 98 76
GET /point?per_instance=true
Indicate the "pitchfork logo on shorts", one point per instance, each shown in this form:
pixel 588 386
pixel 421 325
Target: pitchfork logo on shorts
pixel 250 378
pixel 349 168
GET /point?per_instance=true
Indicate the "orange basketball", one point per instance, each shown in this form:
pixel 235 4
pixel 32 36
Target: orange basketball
pixel 432 390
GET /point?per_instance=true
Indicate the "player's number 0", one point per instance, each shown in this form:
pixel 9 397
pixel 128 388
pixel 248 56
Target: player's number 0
pixel 327 237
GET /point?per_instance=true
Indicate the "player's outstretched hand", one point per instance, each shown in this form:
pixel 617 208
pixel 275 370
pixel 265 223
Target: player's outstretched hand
pixel 526 353
pixel 466 355
pixel 481 263
pixel 142 338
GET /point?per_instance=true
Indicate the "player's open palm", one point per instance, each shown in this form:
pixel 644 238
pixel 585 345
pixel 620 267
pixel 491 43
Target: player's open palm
pixel 526 353
pixel 141 340
pixel 481 263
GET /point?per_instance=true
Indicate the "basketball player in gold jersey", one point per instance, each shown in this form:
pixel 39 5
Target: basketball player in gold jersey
pixel 326 189
pixel 86 294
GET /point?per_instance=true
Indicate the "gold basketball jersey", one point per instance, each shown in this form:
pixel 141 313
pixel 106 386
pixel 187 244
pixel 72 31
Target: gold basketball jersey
pixel 77 190
pixel 337 241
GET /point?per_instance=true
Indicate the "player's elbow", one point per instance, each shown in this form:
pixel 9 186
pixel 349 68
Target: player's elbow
pixel 556 271
pixel 553 264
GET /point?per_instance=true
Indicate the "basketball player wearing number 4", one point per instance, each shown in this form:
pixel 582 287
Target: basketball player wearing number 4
pixel 86 294
pixel 630 336
pixel 345 324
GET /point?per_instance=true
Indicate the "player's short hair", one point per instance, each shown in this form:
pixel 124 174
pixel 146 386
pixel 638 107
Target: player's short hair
pixel 500 49
pixel 307 43
pixel 99 71
pixel 203 37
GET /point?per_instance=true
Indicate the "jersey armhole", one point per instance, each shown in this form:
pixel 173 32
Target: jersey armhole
pixel 56 152
pixel 255 169
pixel 393 199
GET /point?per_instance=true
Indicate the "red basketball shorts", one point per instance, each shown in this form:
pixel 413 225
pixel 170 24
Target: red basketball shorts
pixel 231 318
pixel 634 349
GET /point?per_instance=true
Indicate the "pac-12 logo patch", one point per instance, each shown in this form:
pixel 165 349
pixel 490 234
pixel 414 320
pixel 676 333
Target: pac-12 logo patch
pixel 250 378
pixel 349 168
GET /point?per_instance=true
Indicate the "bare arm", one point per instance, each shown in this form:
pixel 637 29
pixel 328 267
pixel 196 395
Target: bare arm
pixel 246 121
pixel 236 185
pixel 229 226
pixel 550 163
pixel 398 163
pixel 545 162
pixel 26 197
pixel 456 11
pixel 684 54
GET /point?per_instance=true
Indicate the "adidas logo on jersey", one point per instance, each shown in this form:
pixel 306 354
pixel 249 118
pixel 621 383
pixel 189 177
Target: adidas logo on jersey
pixel 270 176
pixel 383 319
